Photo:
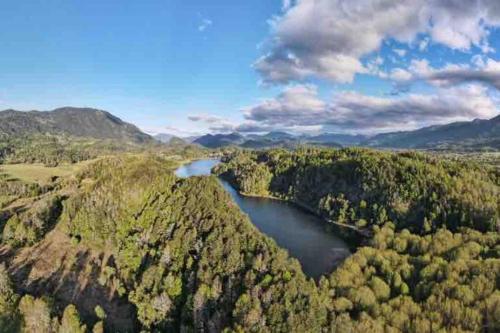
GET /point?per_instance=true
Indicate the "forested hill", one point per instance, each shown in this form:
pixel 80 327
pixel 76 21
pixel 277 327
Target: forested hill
pixel 134 249
pixel 76 122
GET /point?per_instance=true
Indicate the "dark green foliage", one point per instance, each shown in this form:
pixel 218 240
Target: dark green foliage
pixel 364 188
pixel 220 140
pixel 9 316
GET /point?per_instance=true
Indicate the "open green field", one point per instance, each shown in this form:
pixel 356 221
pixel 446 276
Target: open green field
pixel 38 172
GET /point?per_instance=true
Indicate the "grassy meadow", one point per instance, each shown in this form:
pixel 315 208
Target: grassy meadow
pixel 38 173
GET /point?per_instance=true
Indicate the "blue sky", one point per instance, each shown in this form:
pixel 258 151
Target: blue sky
pixel 146 61
pixel 196 66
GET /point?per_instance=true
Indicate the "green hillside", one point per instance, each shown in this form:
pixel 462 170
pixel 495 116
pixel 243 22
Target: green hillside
pixel 76 122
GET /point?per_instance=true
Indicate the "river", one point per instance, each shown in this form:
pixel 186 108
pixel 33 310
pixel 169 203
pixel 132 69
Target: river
pixel 301 233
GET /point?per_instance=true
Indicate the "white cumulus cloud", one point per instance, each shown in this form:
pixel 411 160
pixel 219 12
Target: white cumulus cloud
pixel 329 38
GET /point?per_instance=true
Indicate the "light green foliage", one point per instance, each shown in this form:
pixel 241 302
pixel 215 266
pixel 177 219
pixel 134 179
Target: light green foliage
pixel 70 322
pixel 38 173
pixel 99 312
pixel 439 281
pixel 49 150
pixel 36 315
pixel 29 314
pixel 98 327
pixel 12 189
pixel 113 190
pixel 200 253
pixel 249 177
pixel 32 314
pixel 381 289
pixel 52 150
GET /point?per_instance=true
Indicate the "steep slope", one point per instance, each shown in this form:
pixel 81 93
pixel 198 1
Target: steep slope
pixel 77 122
pixel 478 133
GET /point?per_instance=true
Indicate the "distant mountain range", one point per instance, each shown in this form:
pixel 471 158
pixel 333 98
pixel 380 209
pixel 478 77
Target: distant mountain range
pixel 473 135
pixel 77 122
pixel 99 124
pixel 468 134
pixel 256 141
pixel 220 140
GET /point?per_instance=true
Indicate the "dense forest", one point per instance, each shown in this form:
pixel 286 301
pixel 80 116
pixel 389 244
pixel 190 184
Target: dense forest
pixel 124 245
pixel 366 188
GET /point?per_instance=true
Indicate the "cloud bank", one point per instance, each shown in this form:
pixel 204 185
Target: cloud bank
pixel 300 106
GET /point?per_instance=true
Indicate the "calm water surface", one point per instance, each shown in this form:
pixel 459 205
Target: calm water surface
pixel 301 233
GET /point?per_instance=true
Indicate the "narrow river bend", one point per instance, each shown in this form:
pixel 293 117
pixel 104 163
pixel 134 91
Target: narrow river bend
pixel 302 234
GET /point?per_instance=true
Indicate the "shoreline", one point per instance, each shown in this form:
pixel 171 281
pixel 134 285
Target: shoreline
pixel 360 235
pixel 351 234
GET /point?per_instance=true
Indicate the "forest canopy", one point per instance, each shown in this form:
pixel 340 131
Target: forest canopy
pixel 148 251
pixel 365 188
